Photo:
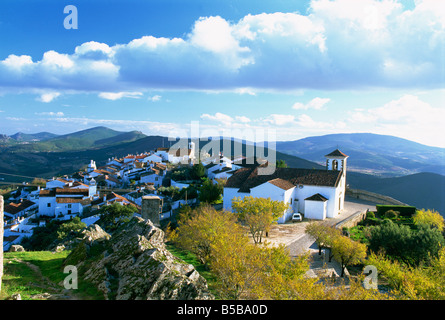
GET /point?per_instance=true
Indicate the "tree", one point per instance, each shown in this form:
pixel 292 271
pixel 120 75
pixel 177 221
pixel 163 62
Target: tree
pixel 408 282
pixel 429 217
pixel 324 235
pixel 348 252
pixel 210 192
pixel 112 216
pixel 200 228
pixel 198 171
pixel 404 244
pixel 258 213
pixel 281 164
pixel 72 227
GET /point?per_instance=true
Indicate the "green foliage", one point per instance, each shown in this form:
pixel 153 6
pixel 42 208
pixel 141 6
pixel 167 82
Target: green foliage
pixel 370 214
pixel 281 164
pixel 112 216
pixel 403 210
pixel 391 214
pixel 187 173
pixel 258 213
pixel 429 217
pixel 210 192
pixel 405 244
pixel 55 231
pixel 73 227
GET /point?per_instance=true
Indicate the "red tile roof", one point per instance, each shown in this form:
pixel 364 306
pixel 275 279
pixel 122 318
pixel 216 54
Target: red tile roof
pixel 14 208
pixel 246 178
pixel 336 153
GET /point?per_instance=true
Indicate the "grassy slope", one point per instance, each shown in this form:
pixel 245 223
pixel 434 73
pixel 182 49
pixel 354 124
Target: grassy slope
pixel 37 272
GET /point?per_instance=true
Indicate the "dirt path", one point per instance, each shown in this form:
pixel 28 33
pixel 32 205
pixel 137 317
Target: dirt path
pixel 55 292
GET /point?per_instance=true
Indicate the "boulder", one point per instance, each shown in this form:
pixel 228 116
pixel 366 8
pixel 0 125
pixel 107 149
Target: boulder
pixel 16 248
pixel 134 264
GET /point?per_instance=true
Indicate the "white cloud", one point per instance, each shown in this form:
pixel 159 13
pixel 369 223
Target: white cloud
pixel 407 117
pixel 242 119
pixel 280 119
pixel 154 98
pixel 53 114
pixel 337 44
pixel 218 117
pixel 316 103
pixel 48 97
pixel 17 62
pixel 119 95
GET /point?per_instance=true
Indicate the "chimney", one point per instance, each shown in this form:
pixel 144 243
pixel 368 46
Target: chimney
pixel 151 209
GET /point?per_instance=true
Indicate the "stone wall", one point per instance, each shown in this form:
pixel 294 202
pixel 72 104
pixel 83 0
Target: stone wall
pixel 352 220
pixel 373 197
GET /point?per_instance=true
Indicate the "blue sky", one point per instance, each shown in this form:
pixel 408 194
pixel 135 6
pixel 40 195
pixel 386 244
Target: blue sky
pixel 297 68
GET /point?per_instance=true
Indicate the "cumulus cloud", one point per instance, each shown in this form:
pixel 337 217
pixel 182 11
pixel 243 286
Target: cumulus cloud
pixel 154 98
pixel 119 95
pixel 316 103
pixel 338 44
pixel 48 97
pixel 53 114
pixel 218 117
pixel 408 117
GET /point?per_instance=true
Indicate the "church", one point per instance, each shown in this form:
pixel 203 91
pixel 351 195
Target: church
pixel 316 193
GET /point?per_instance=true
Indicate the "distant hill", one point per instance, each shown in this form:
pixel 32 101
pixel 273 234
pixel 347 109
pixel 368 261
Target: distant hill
pixel 371 153
pixel 41 136
pixel 67 154
pixel 423 190
pixel 86 139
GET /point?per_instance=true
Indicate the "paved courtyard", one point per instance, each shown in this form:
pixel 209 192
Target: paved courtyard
pixel 298 242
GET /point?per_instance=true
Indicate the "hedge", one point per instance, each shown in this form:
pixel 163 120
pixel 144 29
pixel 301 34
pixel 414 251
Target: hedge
pixel 405 211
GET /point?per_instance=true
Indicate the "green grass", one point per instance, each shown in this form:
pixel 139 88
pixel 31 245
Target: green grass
pixel 36 272
pixel 190 258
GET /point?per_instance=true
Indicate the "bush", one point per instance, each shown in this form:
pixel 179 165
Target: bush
pixel 406 211
pixel 370 214
pixel 391 214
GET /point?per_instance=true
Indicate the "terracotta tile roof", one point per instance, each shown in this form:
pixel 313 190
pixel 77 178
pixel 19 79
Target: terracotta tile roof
pixel 283 184
pixel 14 208
pixel 246 178
pixel 66 191
pixel 336 153
pixel 68 200
pixel 47 193
pixel 316 197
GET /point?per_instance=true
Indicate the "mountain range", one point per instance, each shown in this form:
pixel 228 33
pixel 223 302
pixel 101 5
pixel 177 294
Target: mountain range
pixel 370 153
pixel 402 169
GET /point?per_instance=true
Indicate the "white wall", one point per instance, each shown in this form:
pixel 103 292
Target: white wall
pixel 43 206
pixel 315 209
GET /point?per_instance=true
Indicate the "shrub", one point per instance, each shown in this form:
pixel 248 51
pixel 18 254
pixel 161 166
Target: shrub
pixel 404 210
pixel 370 214
pixel 391 214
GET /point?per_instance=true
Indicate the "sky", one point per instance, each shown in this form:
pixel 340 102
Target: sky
pixel 280 70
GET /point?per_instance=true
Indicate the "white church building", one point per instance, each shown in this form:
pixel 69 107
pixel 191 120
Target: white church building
pixel 316 193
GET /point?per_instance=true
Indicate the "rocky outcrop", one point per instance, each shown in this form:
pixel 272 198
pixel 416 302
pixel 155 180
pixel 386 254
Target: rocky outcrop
pixel 16 248
pixel 134 264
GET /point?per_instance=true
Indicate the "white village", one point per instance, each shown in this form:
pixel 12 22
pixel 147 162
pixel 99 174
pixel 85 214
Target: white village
pixel 312 193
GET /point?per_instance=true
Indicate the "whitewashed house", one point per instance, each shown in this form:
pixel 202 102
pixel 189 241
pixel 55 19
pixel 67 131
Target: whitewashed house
pixel 15 210
pixel 316 193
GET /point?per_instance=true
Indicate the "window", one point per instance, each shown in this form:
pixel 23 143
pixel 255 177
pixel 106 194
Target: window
pixel 69 206
pixel 48 205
